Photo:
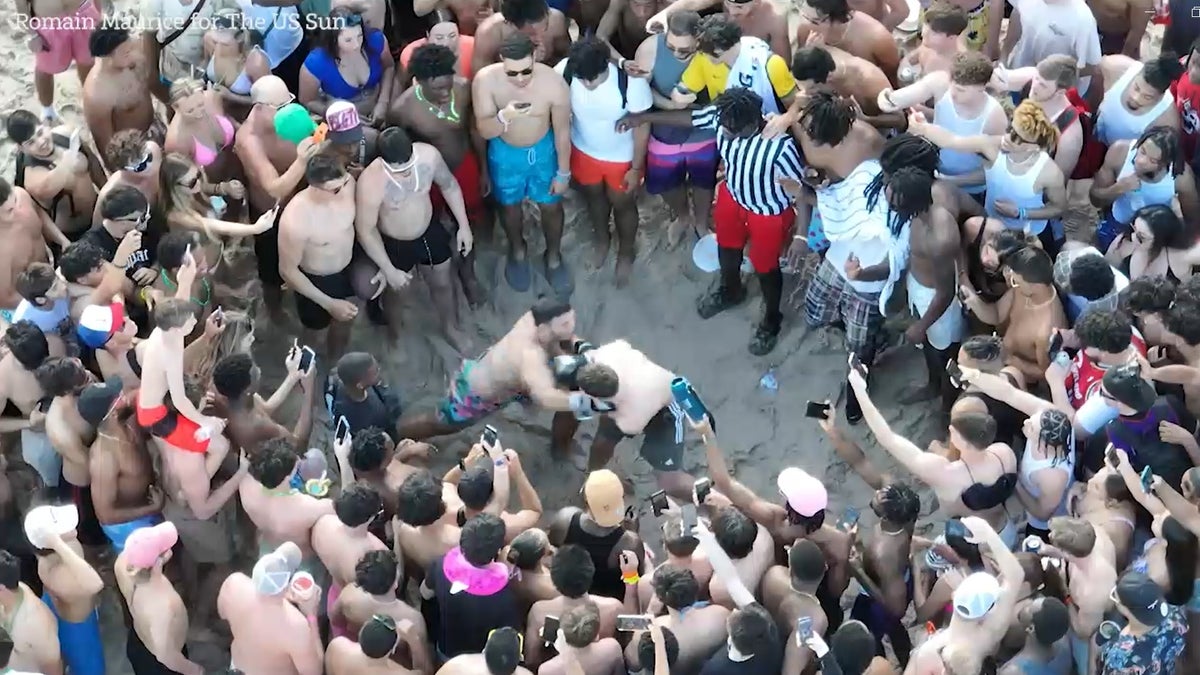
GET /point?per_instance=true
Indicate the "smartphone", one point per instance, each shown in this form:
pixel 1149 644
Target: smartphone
pixel 342 430
pixel 804 627
pixel 187 254
pixel 550 630
pixel 1110 454
pixel 849 519
pixel 219 315
pixel 522 105
pixel 658 502
pixel 818 410
pixel 688 512
pixel 1056 344
pixel 489 436
pixel 954 372
pixel 701 488
pixel 60 140
pixel 1147 475
pixel 857 365
pixel 686 398
pixel 307 358
pixel 631 622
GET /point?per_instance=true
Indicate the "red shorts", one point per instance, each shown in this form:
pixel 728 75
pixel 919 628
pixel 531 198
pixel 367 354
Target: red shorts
pixel 69 41
pixel 587 170
pixel 767 234
pixel 172 427
pixel 467 175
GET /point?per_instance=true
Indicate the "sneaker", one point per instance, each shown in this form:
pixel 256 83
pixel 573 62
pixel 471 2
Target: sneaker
pixel 718 300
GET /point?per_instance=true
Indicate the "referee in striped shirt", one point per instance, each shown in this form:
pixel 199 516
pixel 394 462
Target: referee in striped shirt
pixel 751 206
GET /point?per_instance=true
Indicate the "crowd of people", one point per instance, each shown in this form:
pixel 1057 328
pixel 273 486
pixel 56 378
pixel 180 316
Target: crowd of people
pixel 1023 202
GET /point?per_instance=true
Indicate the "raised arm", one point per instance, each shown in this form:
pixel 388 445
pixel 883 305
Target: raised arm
pixel 928 467
pixel 759 510
pixel 932 85
pixel 986 146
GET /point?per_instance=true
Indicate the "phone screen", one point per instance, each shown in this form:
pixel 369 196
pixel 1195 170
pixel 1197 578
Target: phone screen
pixel 550 630
pixel 818 410
pixel 954 372
pixel 1056 344
pixel 343 428
pixel 1147 475
pixel 689 519
pixel 849 519
pixel 489 436
pixel 658 502
pixel 702 488
pixel 632 622
pixel 307 358
pixel 804 627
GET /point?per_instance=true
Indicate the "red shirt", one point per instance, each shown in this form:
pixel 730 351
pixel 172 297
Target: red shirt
pixel 1085 375
pixel 466 50
pixel 1187 101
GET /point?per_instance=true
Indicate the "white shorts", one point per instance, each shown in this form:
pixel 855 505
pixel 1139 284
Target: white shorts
pixel 950 327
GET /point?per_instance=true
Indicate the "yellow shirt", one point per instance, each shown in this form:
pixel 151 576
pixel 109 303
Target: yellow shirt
pixel 703 73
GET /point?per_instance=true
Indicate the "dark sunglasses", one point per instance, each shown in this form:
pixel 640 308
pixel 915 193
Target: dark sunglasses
pixel 141 165
pixel 519 73
pixel 349 21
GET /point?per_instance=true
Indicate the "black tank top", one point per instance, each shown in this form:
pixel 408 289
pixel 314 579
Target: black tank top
pixel 607 581
pixel 980 277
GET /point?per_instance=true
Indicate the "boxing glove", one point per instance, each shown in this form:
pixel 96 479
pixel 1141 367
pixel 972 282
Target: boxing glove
pixel 582 346
pixel 566 367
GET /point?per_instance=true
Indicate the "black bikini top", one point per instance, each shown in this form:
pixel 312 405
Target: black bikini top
pixel 980 497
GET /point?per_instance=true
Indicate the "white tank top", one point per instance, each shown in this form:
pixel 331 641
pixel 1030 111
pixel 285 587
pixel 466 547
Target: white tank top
pixel 954 162
pixel 1161 191
pixel 1030 466
pixel 1114 122
pixel 1004 185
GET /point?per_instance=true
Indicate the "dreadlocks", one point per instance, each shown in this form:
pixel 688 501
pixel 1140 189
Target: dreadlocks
pixel 828 117
pixel 908 150
pixel 909 193
pixel 739 108
pixel 1166 139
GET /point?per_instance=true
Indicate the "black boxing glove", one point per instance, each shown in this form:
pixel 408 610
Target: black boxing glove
pixel 582 346
pixel 566 367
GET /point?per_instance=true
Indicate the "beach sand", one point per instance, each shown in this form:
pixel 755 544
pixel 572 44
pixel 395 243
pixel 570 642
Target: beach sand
pixel 760 431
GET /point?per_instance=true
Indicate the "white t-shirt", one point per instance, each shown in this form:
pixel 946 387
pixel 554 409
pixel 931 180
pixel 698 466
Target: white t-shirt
pixel 594 115
pixel 1056 27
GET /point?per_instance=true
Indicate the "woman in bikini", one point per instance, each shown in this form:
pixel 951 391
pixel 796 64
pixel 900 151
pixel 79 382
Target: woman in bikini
pixel 1158 244
pixel 237 61
pixel 201 132
pixel 351 62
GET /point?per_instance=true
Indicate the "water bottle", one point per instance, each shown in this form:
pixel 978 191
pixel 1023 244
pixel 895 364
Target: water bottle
pixel 768 381
pixel 688 400
pixel 313 465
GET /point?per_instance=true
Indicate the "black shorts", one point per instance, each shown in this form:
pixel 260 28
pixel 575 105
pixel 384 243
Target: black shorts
pixel 431 248
pixel 662 439
pixel 266 249
pixel 337 286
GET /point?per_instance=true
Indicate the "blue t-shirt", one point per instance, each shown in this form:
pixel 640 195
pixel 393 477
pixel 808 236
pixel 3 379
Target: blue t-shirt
pixel 1154 653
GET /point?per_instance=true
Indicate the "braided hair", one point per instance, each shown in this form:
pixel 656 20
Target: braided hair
pixel 908 164
pixel 828 117
pixel 1166 139
pixel 739 108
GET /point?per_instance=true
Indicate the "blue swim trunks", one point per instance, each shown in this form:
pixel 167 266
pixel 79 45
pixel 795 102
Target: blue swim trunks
pixel 523 173
pixel 119 532
pixel 82 650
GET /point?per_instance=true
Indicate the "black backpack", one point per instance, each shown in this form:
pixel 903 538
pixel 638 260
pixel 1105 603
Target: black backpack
pixel 622 83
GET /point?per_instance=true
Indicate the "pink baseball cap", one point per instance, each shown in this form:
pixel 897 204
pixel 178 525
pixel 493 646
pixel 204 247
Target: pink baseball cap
pixel 345 127
pixel 803 492
pixel 146 545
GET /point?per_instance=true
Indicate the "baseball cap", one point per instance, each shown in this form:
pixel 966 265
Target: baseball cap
pixel 293 123
pixel 96 400
pixel 1125 385
pixel 344 125
pixel 99 323
pixel 803 492
pixel 1142 597
pixel 273 572
pixel 976 595
pixel 146 545
pixel 47 518
pixel 605 497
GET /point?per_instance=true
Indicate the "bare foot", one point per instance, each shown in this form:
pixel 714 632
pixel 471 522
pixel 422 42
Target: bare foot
pixel 624 267
pixel 600 253
pixel 676 229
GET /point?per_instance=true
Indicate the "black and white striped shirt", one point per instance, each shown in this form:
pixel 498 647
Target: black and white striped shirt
pixel 752 165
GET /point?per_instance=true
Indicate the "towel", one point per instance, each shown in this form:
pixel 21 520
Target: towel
pixel 750 71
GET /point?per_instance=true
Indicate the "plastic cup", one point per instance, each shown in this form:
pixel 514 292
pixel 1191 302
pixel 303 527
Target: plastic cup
pixel 303 585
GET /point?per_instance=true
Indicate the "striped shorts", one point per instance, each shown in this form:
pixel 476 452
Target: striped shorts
pixel 831 297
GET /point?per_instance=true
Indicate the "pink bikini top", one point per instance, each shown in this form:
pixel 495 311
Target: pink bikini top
pixel 205 155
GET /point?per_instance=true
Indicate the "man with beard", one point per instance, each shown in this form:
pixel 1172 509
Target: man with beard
pixel 236 379
pixel 157 636
pixel 274 169
pixel 79 406
pixel 55 169
pixel 24 228
pixel 27 350
pixel 523 109
pixel 516 369
pixel 393 220
pixel 124 492
pixel 437 110
pixel 546 28
pixel 116 94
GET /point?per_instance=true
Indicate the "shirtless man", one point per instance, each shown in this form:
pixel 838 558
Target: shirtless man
pixel 517 368
pixel 55 169
pixel 624 22
pixel 342 538
pixel 274 169
pixel 468 14
pixel 1122 25
pixel 123 482
pixel 523 109
pixel 393 218
pixel 437 110
pixel 834 23
pixel 316 255
pixel 72 590
pixel 116 94
pixel 236 379
pixel 571 572
pixel 133 159
pixel 637 391
pixel 757 18
pixel 942 28
pixel 28 622
pixel 378 462
pixel 503 648
pixel 846 74
pixel 157 635
pixel 789 593
pixel 371 653
pixel 27 349
pixel 274 631
pixel 581 648
pixel 700 629
pixel 24 228
pixel 546 28
pixel 280 513
pixel 426 523
pixel 1029 312
pixel 373 593
pixel 1090 567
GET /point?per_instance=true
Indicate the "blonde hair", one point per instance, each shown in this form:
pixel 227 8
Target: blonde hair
pixel 177 198
pixel 1031 122
pixel 183 88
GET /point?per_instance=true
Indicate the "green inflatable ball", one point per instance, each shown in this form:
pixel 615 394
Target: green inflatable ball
pixel 293 124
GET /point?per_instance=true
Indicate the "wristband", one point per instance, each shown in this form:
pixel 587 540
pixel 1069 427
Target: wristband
pixel 631 578
pixel 462 466
pixel 501 120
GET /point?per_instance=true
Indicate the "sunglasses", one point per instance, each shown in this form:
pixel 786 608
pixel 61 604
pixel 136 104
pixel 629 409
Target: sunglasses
pixel 351 20
pixel 140 220
pixel 141 165
pixel 339 188
pixel 519 73
pixel 277 106
pixel 681 53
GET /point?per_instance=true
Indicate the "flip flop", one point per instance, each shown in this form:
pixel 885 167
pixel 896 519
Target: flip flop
pixel 518 274
pixel 560 279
